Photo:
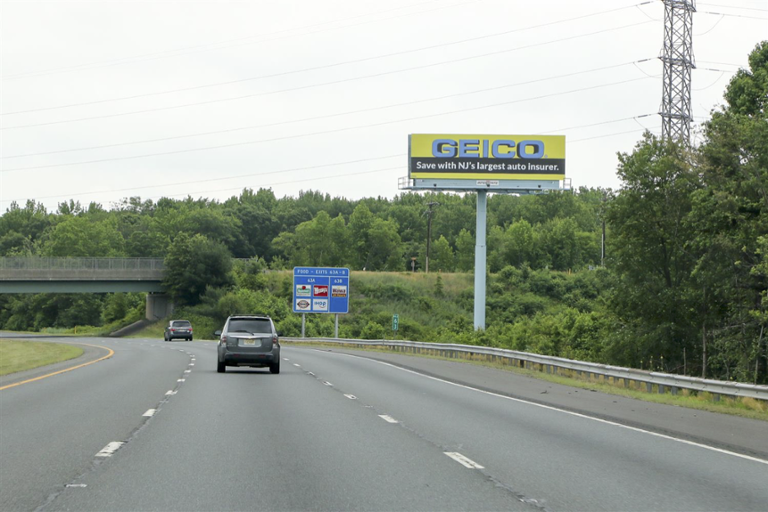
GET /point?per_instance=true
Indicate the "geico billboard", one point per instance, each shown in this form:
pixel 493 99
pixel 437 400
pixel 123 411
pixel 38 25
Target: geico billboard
pixel 505 157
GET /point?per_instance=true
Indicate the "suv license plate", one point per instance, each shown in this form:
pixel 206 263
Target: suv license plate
pixel 250 343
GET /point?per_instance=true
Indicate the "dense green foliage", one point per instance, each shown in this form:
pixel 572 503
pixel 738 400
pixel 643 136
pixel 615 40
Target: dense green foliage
pixel 683 286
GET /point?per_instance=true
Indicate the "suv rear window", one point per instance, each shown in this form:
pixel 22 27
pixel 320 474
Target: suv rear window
pixel 180 323
pixel 251 325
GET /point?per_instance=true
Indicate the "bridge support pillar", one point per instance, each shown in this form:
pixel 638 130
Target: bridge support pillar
pixel 159 305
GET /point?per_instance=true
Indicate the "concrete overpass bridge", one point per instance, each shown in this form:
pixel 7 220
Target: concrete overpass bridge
pixel 88 275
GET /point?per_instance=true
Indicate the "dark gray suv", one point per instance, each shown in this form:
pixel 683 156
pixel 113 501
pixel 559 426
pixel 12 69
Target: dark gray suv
pixel 248 340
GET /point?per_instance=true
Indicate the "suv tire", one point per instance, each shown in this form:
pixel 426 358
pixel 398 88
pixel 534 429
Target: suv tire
pixel 274 368
pixel 221 368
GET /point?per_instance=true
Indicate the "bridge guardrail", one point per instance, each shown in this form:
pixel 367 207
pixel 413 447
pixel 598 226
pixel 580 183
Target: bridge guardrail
pixel 41 263
pixel 662 381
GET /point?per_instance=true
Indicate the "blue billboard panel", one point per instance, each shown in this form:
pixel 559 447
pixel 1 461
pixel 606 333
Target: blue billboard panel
pixel 320 290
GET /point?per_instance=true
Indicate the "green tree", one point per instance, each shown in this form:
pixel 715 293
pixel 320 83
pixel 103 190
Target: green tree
pixel 442 256
pixel 648 249
pixel 81 236
pixel 730 215
pixel 194 263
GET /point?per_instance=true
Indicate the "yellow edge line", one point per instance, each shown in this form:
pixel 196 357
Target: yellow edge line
pixel 111 353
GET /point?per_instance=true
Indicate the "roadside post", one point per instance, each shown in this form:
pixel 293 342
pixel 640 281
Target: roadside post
pixel 395 322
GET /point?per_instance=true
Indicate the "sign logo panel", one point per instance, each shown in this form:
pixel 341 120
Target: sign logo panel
pixel 320 290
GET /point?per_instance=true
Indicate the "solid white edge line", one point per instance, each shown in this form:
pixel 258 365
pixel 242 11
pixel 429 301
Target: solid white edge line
pixel 388 419
pixel 464 461
pixel 578 415
pixel 149 413
pixel 108 450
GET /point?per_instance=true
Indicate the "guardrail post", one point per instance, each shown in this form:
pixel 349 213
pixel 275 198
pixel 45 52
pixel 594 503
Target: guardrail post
pixel 661 389
pixel 649 387
pixel 673 389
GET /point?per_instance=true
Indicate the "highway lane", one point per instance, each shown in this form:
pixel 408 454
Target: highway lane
pixel 336 432
pixel 50 429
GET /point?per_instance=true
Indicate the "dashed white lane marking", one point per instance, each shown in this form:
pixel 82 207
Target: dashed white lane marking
pixel 77 485
pixel 310 373
pixel 464 461
pixel 297 365
pixel 286 359
pixel 171 392
pixel 181 380
pixel 388 419
pixel 351 397
pixel 187 371
pixel 150 413
pixel 191 364
pixel 108 450
pixel 571 413
pixel 325 382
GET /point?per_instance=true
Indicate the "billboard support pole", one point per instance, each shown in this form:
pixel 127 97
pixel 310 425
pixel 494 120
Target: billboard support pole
pixel 336 329
pixel 303 318
pixel 480 265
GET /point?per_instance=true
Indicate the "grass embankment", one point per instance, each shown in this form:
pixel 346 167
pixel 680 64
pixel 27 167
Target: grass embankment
pixel 744 407
pixel 17 356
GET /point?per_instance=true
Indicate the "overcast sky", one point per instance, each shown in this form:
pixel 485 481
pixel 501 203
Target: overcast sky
pixel 103 100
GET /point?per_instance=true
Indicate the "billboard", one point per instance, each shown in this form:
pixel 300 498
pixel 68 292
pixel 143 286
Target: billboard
pixel 486 158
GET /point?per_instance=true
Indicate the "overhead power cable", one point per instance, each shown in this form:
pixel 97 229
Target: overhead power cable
pixel 287 137
pixel 225 178
pixel 305 168
pixel 242 41
pixel 326 66
pixel 384 73
pixel 327 116
pixel 293 181
pixel 734 7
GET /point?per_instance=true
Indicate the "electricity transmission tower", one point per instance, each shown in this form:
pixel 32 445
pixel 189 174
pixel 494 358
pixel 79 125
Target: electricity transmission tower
pixel 677 57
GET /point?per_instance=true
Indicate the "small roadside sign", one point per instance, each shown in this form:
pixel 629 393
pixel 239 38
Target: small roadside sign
pixel 395 321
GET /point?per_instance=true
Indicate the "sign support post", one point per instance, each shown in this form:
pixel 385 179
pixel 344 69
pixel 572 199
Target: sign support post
pixel 303 320
pixel 336 329
pixel 480 259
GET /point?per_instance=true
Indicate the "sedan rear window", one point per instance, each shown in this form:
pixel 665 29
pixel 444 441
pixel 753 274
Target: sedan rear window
pixel 251 325
pixel 181 323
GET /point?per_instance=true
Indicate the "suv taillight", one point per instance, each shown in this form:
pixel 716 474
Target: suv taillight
pixel 274 339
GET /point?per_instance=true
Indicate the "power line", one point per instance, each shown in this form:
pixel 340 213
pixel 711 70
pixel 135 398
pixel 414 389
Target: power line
pixel 294 169
pixel 327 116
pixel 239 176
pixel 734 7
pixel 384 73
pixel 384 123
pixel 327 66
pixel 575 141
pixel 203 47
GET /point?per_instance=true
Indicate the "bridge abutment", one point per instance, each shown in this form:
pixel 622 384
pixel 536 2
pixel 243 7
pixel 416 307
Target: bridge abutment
pixel 159 305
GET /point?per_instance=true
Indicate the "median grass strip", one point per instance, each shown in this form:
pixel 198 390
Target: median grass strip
pixel 17 355
pixel 744 407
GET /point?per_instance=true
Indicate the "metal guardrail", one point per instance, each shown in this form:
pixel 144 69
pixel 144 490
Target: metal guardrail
pixel 34 263
pixel 662 381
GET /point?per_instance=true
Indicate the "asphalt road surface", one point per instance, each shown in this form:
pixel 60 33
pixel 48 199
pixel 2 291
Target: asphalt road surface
pixel 154 427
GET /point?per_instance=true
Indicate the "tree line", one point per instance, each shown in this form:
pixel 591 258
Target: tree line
pixel 675 257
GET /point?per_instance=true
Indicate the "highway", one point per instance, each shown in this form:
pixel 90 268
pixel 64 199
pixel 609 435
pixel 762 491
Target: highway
pixel 154 427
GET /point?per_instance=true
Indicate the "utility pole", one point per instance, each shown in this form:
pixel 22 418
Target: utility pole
pixel 429 233
pixel 677 56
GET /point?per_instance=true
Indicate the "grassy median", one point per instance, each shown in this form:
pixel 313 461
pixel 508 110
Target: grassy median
pixel 17 356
